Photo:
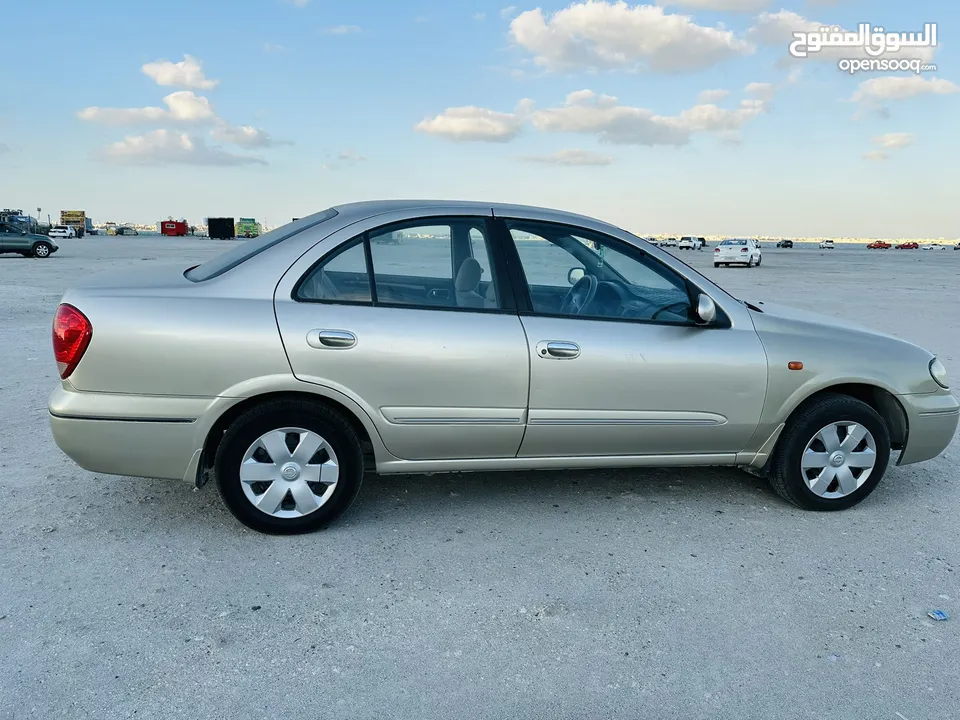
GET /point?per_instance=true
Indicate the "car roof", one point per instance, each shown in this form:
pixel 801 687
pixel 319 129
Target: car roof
pixel 369 208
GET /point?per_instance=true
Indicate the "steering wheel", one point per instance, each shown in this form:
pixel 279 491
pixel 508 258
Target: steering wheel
pixel 580 296
pixel 682 306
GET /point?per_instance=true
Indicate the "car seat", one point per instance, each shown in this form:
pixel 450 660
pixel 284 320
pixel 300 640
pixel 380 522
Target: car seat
pixel 467 283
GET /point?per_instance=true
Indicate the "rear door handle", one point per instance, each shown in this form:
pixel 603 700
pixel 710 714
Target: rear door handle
pixel 561 349
pixel 331 339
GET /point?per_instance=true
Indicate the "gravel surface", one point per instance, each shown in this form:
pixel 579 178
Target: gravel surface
pixel 661 593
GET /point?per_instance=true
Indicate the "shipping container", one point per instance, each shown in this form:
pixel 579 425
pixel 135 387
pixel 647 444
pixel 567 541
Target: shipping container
pixel 222 228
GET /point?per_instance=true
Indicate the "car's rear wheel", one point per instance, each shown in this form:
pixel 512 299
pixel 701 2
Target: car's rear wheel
pixel 42 250
pixel 716 264
pixel 289 467
pixel 759 260
pixel 831 455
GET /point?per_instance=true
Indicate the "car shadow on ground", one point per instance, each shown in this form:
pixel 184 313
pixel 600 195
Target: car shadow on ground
pixel 499 498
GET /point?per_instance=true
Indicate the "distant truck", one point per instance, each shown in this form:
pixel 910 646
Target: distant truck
pixel 247 228
pixel 221 228
pixel 173 228
pixel 77 219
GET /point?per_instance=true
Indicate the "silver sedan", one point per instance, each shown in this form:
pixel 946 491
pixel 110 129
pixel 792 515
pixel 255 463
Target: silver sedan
pixel 422 337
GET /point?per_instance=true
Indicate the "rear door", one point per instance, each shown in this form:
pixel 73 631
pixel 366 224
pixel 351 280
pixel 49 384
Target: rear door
pixel 421 331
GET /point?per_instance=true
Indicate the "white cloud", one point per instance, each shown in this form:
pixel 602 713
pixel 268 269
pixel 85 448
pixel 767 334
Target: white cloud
pixel 182 106
pixel 875 155
pixel 341 30
pixel 165 147
pixel 479 16
pixel 778 29
pixel 298 3
pixel 187 73
pixel 742 6
pixel 245 136
pixel 893 141
pixel 895 87
pixel 350 156
pixel 600 35
pixel 603 117
pixel 472 123
pixel 875 94
pixel 763 91
pixel 571 157
pixel 712 96
pixel 274 47
pixel 508 11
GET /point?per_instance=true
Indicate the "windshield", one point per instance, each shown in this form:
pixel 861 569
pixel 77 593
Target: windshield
pixel 241 253
pixel 734 242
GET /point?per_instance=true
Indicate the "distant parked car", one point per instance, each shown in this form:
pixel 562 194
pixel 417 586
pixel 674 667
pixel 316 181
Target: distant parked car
pixel 826 244
pixel 933 246
pixel 907 246
pixel 284 368
pixel 14 239
pixel 957 246
pixel 737 252
pixel 62 231
pixel 670 242
pixel 785 244
pixel 878 245
pixel 690 243
pixel 127 231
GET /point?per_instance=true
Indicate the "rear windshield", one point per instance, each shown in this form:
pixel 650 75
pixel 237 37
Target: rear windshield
pixel 734 242
pixel 243 252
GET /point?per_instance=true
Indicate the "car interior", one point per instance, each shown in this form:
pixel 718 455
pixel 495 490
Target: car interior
pixel 596 285
pixel 466 283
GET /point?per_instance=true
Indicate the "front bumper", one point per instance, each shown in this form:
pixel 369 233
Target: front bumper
pixel 932 421
pixel 134 435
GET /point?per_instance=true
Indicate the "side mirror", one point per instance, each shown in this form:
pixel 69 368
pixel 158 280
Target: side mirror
pixel 574 275
pixel 706 309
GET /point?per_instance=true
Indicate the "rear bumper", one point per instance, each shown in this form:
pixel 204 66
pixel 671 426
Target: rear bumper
pixel 134 435
pixel 932 421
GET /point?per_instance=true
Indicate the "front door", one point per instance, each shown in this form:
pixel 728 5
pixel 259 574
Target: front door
pixel 410 320
pixel 617 365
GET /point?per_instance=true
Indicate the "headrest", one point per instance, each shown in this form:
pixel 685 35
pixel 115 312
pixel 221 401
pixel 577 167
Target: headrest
pixel 468 277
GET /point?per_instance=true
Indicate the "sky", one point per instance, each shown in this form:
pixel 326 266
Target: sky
pixel 687 117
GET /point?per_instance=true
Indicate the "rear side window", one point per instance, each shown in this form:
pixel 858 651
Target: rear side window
pixel 240 254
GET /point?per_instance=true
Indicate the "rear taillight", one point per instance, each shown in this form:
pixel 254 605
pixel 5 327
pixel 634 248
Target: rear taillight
pixel 743 250
pixel 71 335
pixel 716 249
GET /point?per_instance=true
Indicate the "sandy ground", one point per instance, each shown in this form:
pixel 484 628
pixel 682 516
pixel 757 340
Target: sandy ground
pixel 694 594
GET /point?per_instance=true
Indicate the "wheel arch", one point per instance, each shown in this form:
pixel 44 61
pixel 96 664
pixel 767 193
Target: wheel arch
pixel 369 438
pixel 879 398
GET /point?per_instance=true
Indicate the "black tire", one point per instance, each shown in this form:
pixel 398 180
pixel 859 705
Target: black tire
pixel 245 430
pixel 716 264
pixel 42 250
pixel 786 477
pixel 759 260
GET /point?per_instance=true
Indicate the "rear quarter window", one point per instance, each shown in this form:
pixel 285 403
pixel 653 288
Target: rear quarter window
pixel 243 252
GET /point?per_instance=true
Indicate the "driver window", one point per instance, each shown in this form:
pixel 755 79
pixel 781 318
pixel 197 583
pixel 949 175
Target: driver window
pixel 572 271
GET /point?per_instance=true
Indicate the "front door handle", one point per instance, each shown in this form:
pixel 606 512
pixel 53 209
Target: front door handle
pixel 558 349
pixel 331 339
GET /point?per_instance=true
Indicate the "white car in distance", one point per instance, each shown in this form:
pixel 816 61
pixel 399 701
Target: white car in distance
pixel 62 231
pixel 690 243
pixel 826 244
pixel 737 252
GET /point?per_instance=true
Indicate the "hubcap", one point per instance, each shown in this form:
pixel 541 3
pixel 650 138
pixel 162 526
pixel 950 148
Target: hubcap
pixel 838 460
pixel 289 472
pixel 41 250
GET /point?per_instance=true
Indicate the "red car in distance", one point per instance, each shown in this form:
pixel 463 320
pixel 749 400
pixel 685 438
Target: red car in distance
pixel 878 245
pixel 908 246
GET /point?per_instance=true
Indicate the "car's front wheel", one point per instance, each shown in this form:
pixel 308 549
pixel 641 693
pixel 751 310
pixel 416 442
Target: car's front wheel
pixel 42 250
pixel 831 455
pixel 289 467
